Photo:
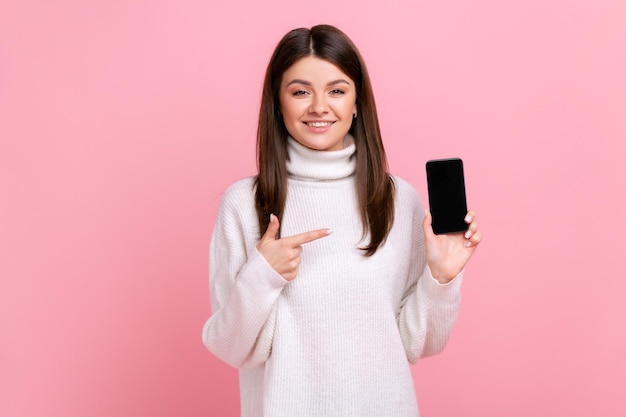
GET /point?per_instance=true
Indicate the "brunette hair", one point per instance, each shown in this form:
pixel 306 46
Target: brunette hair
pixel 374 186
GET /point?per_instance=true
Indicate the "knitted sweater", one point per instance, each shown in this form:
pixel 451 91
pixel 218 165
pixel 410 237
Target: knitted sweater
pixel 338 339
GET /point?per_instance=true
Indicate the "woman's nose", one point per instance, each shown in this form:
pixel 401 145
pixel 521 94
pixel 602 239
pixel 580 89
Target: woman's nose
pixel 318 105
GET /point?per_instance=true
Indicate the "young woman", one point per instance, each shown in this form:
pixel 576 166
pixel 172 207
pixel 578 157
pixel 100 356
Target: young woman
pixel 326 278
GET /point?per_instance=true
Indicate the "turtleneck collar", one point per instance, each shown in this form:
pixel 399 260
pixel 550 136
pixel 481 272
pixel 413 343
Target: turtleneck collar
pixel 310 165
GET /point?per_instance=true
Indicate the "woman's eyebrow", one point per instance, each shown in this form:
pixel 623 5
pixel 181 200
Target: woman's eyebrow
pixel 339 81
pixel 308 83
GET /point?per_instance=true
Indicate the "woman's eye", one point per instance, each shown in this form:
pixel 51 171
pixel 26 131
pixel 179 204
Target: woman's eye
pixel 337 92
pixel 298 93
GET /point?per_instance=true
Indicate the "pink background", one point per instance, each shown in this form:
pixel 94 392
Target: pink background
pixel 121 123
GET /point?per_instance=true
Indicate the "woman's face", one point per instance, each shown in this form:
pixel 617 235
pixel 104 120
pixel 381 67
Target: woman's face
pixel 317 101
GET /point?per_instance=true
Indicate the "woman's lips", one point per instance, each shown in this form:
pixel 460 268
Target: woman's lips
pixel 318 126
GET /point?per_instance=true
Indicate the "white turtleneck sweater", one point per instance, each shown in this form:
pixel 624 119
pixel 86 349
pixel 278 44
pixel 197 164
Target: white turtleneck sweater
pixel 338 339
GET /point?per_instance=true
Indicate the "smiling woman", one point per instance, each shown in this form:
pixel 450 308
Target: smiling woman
pixel 382 288
pixel 122 123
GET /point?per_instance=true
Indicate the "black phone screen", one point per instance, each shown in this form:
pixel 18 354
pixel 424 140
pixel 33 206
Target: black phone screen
pixel 446 195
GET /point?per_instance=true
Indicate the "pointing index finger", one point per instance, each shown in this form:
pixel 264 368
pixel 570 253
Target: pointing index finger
pixel 306 237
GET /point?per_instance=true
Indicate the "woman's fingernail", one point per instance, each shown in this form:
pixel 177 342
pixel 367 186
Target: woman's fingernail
pixel 468 244
pixel 468 218
pixel 468 234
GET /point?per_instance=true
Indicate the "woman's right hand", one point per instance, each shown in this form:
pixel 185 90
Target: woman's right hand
pixel 284 254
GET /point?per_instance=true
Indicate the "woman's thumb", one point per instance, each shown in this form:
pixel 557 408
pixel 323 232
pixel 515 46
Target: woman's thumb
pixel 427 225
pixel 272 228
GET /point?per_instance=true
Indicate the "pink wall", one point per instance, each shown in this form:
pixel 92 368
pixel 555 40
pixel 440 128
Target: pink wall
pixel 121 123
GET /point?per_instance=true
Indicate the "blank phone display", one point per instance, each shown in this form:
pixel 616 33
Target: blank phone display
pixel 446 195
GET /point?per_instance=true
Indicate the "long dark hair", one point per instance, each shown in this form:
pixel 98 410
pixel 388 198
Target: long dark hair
pixel 374 186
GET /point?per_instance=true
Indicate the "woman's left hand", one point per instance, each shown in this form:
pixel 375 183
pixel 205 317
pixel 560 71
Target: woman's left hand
pixel 447 254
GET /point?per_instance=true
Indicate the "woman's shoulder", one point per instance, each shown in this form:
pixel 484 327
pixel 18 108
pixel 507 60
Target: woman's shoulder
pixel 243 185
pixel 239 193
pixel 407 199
pixel 405 190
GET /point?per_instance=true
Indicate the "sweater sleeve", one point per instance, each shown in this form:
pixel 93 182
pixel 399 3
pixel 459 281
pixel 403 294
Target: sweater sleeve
pixel 428 309
pixel 244 289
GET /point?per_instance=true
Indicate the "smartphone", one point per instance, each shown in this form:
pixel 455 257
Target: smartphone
pixel 446 195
